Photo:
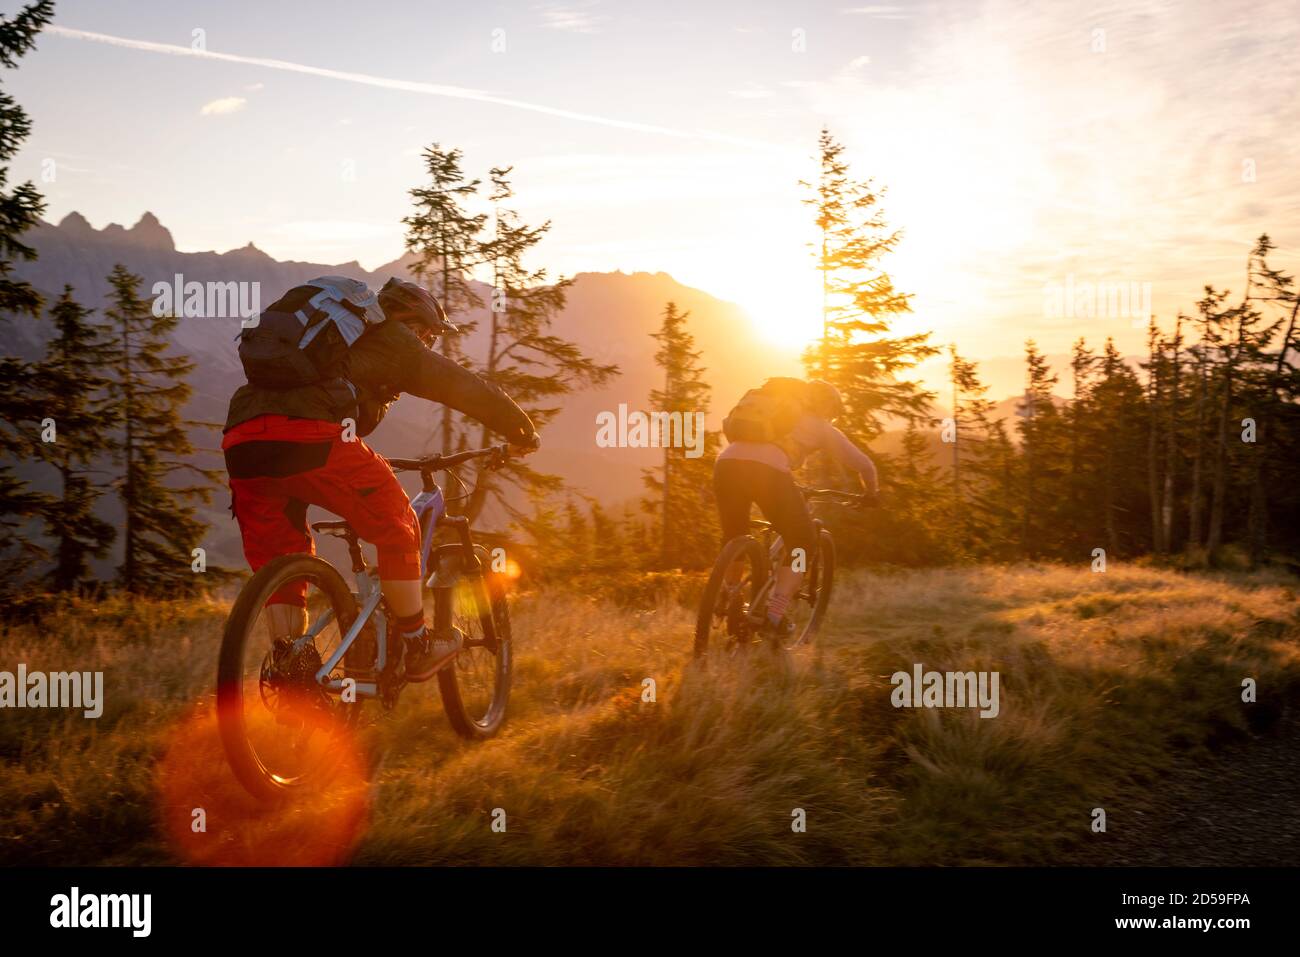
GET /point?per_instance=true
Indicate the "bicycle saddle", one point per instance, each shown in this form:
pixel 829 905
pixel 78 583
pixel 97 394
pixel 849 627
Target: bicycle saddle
pixel 338 529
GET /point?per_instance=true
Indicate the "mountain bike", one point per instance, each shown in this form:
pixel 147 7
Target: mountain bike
pixel 733 612
pixel 286 696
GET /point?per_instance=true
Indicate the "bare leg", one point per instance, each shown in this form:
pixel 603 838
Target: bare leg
pixel 286 621
pixel 786 586
pixel 787 581
pixel 404 598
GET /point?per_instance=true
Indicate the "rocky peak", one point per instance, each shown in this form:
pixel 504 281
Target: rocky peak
pixel 77 225
pixel 149 232
pixel 248 251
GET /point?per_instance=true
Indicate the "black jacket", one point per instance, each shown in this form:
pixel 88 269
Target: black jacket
pixel 387 360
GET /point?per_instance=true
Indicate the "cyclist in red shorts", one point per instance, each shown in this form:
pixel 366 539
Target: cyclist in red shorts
pixel 327 352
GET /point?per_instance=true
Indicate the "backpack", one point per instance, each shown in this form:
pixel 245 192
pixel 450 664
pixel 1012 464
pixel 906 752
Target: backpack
pixel 767 414
pixel 304 336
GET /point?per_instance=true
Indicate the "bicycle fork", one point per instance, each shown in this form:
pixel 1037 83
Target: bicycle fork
pixel 450 564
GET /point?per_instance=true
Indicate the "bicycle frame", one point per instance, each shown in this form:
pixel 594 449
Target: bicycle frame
pixel 430 510
pixel 775 546
pixel 430 507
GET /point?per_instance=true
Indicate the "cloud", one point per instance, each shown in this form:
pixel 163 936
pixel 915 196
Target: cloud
pixel 339 231
pixel 752 92
pixel 615 180
pixel 571 19
pixel 879 12
pixel 1020 149
pixel 227 104
pixel 408 86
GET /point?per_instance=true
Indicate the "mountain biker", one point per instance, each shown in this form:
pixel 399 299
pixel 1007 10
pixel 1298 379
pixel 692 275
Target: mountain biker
pixel 759 471
pixel 287 447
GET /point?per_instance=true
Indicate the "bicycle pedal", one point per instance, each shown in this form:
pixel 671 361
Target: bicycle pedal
pixel 390 690
pixel 391 682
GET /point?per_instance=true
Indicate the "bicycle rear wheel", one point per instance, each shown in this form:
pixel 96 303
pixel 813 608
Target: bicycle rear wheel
pixel 279 727
pixel 807 610
pixel 722 626
pixel 476 687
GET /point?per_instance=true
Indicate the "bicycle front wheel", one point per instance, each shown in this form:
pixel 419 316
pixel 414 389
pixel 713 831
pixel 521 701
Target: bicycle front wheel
pixel 476 686
pixel 807 611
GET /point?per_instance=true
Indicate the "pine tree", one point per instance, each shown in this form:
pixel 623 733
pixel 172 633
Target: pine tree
pixel 683 486
pixel 1040 446
pixel 857 352
pixel 1275 395
pixel 21 413
pixel 1243 353
pixel 608 550
pixel 1118 409
pixel 544 532
pixel 524 355
pixel 996 494
pixel 633 529
pixel 1081 430
pixel 971 412
pixel 72 387
pixel 20 209
pixel 1210 319
pixel 576 549
pixel 919 504
pixel 148 391
pixel 1164 400
pixel 444 235
pixel 1174 402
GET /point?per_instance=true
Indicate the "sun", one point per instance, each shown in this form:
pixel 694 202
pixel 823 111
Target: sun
pixel 778 289
pixel 790 318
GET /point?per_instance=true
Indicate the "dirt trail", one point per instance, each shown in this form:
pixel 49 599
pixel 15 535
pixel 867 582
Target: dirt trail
pixel 1241 807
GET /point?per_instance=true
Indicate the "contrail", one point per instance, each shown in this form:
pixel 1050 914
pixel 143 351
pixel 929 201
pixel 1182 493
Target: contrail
pixel 388 83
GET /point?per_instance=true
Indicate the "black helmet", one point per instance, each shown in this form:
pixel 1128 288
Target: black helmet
pixel 827 399
pixel 414 305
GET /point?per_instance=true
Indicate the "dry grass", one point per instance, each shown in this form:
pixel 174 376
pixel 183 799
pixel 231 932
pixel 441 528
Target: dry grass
pixel 1105 680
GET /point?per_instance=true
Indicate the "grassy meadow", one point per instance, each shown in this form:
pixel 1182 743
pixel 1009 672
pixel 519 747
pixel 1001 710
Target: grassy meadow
pixel 1108 683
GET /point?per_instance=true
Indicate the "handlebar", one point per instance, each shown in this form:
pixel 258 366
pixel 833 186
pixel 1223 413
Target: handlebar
pixel 439 463
pixel 837 495
pixel 829 494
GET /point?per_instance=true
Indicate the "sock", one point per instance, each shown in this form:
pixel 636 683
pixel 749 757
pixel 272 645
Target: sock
pixel 411 627
pixel 776 606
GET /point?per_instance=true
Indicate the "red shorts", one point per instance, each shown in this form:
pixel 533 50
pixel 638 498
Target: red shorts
pixel 279 465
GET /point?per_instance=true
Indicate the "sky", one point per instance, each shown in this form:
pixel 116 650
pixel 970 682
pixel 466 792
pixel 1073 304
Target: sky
pixel 1025 148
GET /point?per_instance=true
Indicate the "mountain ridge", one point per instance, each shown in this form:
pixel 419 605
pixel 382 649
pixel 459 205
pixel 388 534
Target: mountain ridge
pixel 610 316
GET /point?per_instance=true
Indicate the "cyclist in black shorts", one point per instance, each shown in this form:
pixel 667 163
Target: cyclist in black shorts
pixel 759 473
